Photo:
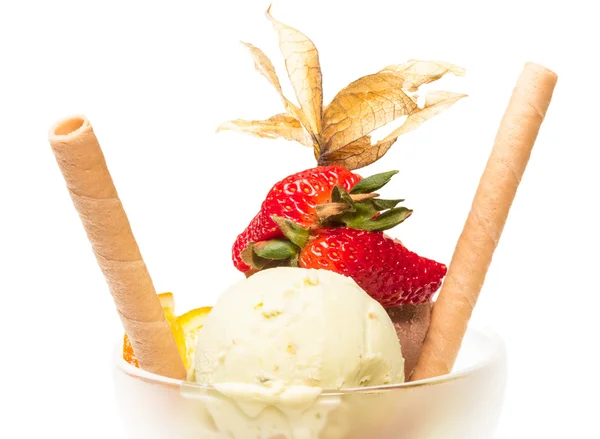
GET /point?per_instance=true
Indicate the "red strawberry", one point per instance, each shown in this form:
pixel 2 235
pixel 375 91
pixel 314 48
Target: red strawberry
pixel 382 266
pixel 329 218
pixel 295 198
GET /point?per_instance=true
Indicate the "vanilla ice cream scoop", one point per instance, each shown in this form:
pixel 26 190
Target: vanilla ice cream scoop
pixel 286 328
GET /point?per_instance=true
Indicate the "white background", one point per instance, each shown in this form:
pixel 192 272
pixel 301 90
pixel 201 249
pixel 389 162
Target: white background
pixel 155 81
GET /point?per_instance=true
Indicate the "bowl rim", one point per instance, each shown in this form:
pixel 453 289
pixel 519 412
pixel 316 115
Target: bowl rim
pixel 495 342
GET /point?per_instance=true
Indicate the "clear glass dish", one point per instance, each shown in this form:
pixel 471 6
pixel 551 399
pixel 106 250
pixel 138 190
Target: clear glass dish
pixel 463 405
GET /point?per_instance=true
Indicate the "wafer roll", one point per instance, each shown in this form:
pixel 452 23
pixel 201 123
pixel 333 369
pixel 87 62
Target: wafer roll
pixel 477 243
pixel 90 185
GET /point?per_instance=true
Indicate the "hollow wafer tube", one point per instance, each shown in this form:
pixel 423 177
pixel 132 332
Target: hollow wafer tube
pixel 91 187
pixel 497 188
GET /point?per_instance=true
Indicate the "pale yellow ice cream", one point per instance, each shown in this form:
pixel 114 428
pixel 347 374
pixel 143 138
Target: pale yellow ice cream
pixel 275 341
pixel 288 328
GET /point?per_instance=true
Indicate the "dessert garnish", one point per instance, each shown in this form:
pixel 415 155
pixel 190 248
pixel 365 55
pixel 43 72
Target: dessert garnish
pixel 185 328
pixel 340 132
pixel 329 217
pixel 95 197
pixel 480 236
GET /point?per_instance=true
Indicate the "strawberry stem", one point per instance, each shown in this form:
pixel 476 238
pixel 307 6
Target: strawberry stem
pixel 385 204
pixel 362 197
pixel 363 210
pixel 251 259
pixel 386 220
pixel 326 211
pixel 276 249
pixel 373 183
pixel 292 231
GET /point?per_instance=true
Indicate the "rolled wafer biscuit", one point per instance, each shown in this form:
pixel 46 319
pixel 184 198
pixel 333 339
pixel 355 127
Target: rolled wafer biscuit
pixel 497 188
pixel 90 185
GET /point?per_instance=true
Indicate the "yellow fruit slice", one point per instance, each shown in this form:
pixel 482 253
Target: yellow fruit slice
pixel 167 300
pixel 128 354
pixel 191 323
pixel 185 331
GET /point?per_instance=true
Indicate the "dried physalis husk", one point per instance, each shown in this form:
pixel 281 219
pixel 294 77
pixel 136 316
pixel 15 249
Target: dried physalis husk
pixel 280 125
pixel 362 152
pixel 304 70
pixel 341 132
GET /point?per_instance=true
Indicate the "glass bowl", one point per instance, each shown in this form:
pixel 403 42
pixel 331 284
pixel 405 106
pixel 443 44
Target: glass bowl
pixel 465 404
